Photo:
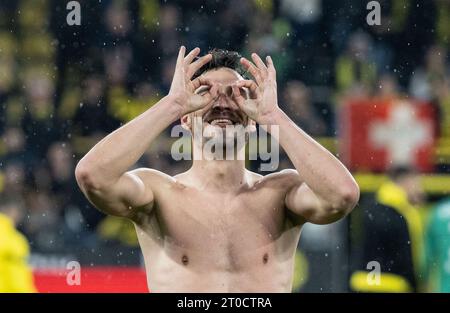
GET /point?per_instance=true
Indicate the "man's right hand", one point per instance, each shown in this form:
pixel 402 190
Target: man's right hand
pixel 103 174
pixel 182 90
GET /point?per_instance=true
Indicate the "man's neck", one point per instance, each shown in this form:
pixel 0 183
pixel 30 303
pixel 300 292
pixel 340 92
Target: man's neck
pixel 220 175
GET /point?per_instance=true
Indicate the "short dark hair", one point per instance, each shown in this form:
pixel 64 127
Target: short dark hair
pixel 223 58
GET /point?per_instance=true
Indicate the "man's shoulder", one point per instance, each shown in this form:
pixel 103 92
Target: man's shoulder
pixel 282 179
pixel 149 175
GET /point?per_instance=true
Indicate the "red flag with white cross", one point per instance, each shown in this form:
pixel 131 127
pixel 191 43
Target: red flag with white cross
pixel 376 135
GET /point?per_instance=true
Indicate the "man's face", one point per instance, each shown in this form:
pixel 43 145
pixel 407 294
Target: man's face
pixel 224 110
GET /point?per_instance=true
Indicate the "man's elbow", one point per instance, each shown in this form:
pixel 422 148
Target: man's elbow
pixel 345 200
pixel 348 196
pixel 86 176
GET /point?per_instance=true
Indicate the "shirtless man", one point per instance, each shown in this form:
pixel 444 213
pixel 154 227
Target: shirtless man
pixel 217 227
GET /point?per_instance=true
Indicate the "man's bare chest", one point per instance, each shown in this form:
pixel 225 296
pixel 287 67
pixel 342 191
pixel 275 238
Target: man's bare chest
pixel 194 219
pixel 231 232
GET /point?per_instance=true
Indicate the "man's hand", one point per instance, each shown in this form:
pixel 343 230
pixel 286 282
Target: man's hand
pixel 263 102
pixel 182 90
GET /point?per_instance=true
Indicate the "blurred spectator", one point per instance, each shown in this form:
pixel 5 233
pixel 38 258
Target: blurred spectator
pixel 305 16
pixel 168 68
pixel 425 80
pixel 443 99
pixel 13 143
pixel 299 106
pixel 339 20
pixel 443 23
pixel 61 169
pixel 125 107
pixel 418 34
pixel 38 122
pixel 388 230
pixel 272 37
pixel 117 64
pixel 14 179
pixel 15 274
pixel 7 65
pixel 117 21
pixel 356 68
pixel 438 248
pixel 387 35
pixel 388 88
pixel 91 115
pixel 430 83
pixel 234 26
pixel 299 24
pixel 169 21
pixel 43 220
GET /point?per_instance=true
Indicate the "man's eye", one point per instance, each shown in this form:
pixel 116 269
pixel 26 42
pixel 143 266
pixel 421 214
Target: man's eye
pixel 229 91
pixel 203 90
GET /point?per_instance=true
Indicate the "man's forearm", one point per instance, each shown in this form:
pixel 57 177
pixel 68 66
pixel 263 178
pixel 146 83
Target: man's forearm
pixel 317 167
pixel 121 149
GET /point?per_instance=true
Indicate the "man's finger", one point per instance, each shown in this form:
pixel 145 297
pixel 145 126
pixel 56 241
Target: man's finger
pixel 210 96
pixel 260 64
pixel 249 66
pixel 237 95
pixel 214 91
pixel 181 55
pixel 271 67
pixel 251 85
pixel 201 81
pixel 207 99
pixel 190 57
pixel 194 67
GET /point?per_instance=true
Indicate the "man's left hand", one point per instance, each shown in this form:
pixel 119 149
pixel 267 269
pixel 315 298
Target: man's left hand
pixel 262 103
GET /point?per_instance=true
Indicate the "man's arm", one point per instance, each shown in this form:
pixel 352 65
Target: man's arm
pixel 102 173
pixel 322 189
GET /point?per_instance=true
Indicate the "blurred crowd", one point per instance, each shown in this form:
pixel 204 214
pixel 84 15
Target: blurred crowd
pixel 62 88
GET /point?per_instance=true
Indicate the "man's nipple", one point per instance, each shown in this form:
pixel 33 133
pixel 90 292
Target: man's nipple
pixel 184 260
pixel 265 258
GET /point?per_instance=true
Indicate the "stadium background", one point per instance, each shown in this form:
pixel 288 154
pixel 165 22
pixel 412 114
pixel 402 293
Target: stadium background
pixel 62 88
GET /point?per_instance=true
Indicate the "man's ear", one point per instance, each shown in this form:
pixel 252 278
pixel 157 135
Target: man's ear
pixel 186 122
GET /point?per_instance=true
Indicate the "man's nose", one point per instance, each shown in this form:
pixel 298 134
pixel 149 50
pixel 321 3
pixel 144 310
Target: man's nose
pixel 224 92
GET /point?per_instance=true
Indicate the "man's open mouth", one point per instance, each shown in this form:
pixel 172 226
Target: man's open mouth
pixel 222 120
